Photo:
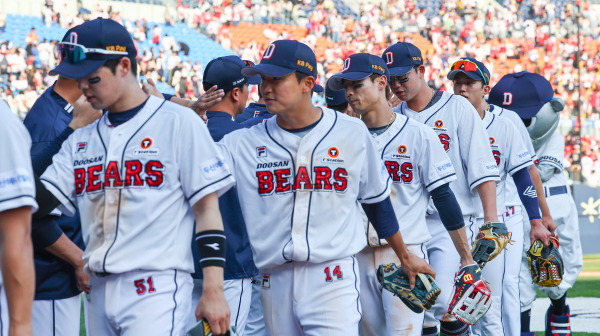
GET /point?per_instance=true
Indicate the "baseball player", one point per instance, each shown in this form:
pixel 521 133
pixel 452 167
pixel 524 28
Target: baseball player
pixel 471 80
pixel 419 167
pixel 258 109
pixel 58 243
pixel 532 97
pixel 300 182
pixel 138 188
pixel 17 190
pixel 465 140
pixel 336 100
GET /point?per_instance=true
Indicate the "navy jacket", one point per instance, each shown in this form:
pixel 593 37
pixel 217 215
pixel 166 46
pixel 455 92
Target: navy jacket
pixel 253 110
pixel 54 278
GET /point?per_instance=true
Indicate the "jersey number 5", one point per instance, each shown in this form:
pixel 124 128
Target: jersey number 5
pixel 445 140
pixel 496 156
pixel 141 287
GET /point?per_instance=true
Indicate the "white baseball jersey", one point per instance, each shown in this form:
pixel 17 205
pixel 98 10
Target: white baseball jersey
pixel 464 138
pixel 17 187
pixel 511 194
pixel 552 153
pixel 510 153
pixel 135 185
pixel 417 164
pixel 300 195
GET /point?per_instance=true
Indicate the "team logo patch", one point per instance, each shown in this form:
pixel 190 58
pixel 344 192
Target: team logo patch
pixel 266 281
pixel 261 152
pixel 402 149
pixel 269 52
pixel 468 278
pixel 389 57
pixel 439 123
pixel 81 147
pixel 508 99
pixel 346 64
pixel 333 152
pixel 146 143
pixel 492 141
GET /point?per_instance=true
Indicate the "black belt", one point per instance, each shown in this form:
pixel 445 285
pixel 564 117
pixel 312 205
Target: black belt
pixel 553 191
pixel 102 274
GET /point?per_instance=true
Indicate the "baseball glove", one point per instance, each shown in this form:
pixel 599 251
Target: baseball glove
pixel 471 295
pixel 490 241
pixel 545 263
pixel 395 280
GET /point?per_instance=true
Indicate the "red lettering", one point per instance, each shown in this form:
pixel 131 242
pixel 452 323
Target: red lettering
pixel 155 175
pixel 282 178
pixel 265 182
pixel 341 179
pixel 302 178
pixel 133 170
pixel 112 173
pixel 322 176
pixel 79 180
pixel 93 172
pixel 496 156
pixel 407 172
pixel 392 168
pixel 445 140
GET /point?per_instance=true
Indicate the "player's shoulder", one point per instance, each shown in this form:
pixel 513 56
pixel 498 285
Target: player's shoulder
pixel 45 107
pixel 344 120
pixel 10 123
pixel 506 113
pixel 556 139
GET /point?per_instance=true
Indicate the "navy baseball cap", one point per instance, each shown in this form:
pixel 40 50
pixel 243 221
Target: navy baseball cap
pixel 334 97
pixel 359 66
pixel 226 73
pixel 470 67
pixel 523 92
pixel 283 57
pixel 402 57
pixel 86 47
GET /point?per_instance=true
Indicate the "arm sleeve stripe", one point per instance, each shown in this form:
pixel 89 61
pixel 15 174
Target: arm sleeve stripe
pixel 208 185
pixel 436 181
pixel 60 191
pixel 13 198
pixel 524 164
pixel 387 183
pixel 484 177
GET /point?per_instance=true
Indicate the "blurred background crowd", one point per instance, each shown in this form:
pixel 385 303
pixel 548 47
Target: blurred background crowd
pixel 556 38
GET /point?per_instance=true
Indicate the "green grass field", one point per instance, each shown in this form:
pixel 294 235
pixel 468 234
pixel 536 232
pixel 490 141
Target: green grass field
pixel 585 286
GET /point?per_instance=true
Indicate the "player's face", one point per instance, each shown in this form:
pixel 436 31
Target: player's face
pixel 362 95
pixel 469 88
pixel 281 93
pixel 406 87
pixel 102 88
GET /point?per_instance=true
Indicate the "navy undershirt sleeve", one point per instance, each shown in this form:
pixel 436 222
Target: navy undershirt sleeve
pixel 383 218
pixel 45 231
pixel 44 152
pixel 448 208
pixel 527 193
pixel 168 96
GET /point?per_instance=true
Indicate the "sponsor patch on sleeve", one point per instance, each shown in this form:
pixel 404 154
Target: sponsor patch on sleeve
pixel 524 155
pixel 15 180
pixel 444 167
pixel 490 167
pixel 213 167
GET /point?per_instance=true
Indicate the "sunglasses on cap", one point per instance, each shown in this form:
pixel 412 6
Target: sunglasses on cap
pixel 76 52
pixel 467 65
pixel 248 63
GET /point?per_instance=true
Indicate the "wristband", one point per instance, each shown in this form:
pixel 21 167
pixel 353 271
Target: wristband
pixel 211 248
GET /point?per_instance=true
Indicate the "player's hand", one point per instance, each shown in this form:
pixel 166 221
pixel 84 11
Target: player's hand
pixel 207 100
pixel 150 88
pixel 413 265
pixel 83 113
pixel 549 224
pixel 82 277
pixel 539 231
pixel 213 307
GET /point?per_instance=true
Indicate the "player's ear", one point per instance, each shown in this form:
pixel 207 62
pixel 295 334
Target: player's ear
pixel 309 84
pixel 486 90
pixel 124 66
pixel 382 82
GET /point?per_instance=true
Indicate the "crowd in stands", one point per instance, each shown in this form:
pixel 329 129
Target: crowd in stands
pixel 514 35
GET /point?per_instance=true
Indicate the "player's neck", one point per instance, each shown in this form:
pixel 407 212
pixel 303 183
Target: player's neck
pixel 422 99
pixel 379 117
pixel 483 106
pixel 132 97
pixel 299 117
pixel 67 88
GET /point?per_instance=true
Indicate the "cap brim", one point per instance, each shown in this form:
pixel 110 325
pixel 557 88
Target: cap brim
pixel 77 70
pixel 453 74
pixel 400 71
pixel 337 81
pixel 254 80
pixel 267 70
